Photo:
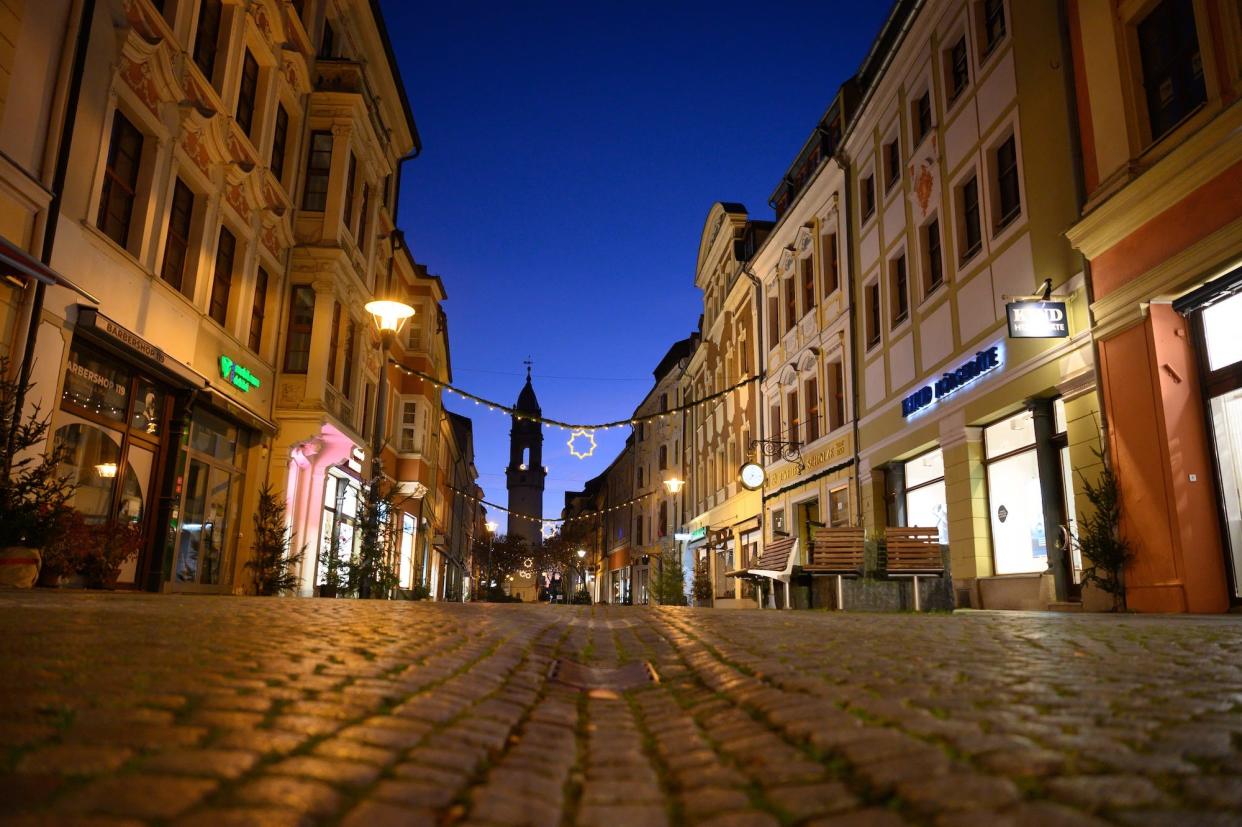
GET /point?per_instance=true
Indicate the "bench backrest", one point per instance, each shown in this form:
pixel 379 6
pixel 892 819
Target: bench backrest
pixel 837 549
pixel 913 549
pixel 776 555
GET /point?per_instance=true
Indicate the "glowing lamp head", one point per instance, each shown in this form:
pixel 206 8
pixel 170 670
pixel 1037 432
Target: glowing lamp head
pixel 491 526
pixel 389 315
pixel 581 554
pixel 107 470
pixel 674 485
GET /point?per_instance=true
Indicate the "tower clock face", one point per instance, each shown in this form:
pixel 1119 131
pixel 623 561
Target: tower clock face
pixel 752 475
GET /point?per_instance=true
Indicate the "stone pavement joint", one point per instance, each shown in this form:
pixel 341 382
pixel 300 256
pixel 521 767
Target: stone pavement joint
pixel 163 710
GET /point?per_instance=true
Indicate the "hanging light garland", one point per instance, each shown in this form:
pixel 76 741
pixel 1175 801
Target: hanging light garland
pixel 547 422
pixel 545 520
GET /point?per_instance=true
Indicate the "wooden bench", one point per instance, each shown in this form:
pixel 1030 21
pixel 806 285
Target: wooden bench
pixel 914 553
pixel 839 553
pixel 775 563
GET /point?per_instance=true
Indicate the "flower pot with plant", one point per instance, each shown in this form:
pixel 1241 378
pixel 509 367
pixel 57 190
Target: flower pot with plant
pixel 702 586
pixel 108 547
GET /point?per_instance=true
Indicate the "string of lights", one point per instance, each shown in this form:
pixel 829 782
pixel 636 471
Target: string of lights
pixel 588 515
pixel 548 422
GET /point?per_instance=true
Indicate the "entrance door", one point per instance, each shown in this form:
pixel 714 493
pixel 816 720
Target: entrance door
pixel 1221 355
pixel 1015 498
pixel 211 489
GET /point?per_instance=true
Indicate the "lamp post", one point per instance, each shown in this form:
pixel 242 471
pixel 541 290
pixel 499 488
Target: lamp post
pixel 390 317
pixel 581 572
pixel 673 485
pixel 491 526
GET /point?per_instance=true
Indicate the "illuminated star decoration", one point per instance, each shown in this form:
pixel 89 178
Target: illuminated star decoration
pixel 573 437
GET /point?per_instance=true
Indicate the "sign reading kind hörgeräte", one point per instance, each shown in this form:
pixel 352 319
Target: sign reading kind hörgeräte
pixel 984 361
pixel 1037 320
pixel 237 375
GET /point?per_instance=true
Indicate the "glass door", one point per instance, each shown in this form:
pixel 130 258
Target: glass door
pixel 1227 433
pixel 210 493
pixel 1015 497
pixel 1221 357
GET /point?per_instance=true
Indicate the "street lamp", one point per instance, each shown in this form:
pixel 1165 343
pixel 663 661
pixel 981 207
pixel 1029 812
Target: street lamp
pixel 390 317
pixel 582 572
pixel 674 485
pixel 491 526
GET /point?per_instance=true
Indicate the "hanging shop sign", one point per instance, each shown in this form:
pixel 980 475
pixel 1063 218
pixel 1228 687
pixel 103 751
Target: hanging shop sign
pixel 237 375
pixel 985 361
pixel 1037 320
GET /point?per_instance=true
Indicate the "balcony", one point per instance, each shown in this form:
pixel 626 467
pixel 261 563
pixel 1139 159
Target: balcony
pixel 338 75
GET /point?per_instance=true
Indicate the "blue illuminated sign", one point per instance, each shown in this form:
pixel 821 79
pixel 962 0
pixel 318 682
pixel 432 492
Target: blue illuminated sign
pixel 984 362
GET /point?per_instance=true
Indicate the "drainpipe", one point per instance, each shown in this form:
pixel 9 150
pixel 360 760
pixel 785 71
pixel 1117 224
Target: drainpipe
pixel 59 174
pixel 1080 190
pixel 843 162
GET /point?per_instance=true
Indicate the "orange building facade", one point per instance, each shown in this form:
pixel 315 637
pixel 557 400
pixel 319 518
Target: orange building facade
pixel 1157 89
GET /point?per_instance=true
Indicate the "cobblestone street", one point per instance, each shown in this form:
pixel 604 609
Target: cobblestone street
pixel 132 709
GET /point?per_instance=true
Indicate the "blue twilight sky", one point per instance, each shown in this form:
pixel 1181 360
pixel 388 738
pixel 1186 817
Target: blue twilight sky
pixel 571 153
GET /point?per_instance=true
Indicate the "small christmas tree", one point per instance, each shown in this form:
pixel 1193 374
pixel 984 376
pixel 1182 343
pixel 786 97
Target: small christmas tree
pixel 371 576
pixel 669 583
pixel 274 566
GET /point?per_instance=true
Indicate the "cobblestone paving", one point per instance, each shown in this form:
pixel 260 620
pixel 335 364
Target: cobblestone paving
pixel 142 709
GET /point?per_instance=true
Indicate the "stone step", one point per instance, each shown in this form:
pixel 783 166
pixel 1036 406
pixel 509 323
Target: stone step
pixel 1065 606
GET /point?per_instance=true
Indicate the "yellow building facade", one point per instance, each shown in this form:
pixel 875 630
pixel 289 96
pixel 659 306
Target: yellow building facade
pixel 961 187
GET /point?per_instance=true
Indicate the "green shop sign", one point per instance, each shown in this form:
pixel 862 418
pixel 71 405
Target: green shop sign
pixel 239 376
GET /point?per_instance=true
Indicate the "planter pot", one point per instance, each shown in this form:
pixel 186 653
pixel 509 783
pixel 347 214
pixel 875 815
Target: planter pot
pixel 19 566
pixel 327 591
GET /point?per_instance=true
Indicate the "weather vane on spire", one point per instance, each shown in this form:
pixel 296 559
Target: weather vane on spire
pixel 528 364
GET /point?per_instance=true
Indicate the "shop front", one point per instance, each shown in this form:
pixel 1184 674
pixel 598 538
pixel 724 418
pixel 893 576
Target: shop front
pixel 1215 315
pixel 150 444
pixel 989 455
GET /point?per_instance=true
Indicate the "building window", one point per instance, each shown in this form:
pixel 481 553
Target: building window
pixel 778 524
pixel 922 117
pixel 810 390
pixel 1007 182
pixel 795 415
pixel 774 321
pixel 774 414
pixel 663 519
pixel 318 167
pixel 409 427
pixel 207 38
pixel 664 402
pixel 662 462
pixel 934 267
pixel 836 396
pixel 350 178
pixel 640 476
pixel 327 43
pixel 258 310
pixel 959 69
pixel 367 391
pixel 791 304
pixel 334 342
pixel 1172 65
pixel 873 314
pixel 831 265
pixel 347 373
pixel 1015 501
pixel 972 237
pixel 280 142
pixel 222 280
pixel 839 507
pixel 993 24
pixel 866 196
pixel 898 290
pixel 638 530
pixel 925 493
pixel 247 93
pixel 177 244
pixel 362 219
pixel 807 266
pixel 892 164
pixel 120 183
pixel 301 319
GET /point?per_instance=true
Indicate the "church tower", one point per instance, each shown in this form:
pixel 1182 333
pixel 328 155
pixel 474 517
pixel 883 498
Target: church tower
pixel 525 475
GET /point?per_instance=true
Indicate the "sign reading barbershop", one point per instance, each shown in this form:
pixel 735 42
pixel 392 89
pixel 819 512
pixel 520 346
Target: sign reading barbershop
pixel 1037 320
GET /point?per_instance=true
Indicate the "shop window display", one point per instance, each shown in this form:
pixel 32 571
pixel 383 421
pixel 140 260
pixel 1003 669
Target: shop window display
pixel 1015 500
pixel 925 493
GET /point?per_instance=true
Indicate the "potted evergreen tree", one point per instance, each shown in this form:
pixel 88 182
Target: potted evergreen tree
pixel 702 586
pixel 1104 551
pixel 371 576
pixel 273 564
pixel 34 495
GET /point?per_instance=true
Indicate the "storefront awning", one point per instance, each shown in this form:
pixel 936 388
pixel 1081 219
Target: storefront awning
pixel 16 262
pixel 224 403
pixel 115 337
pixel 1214 291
